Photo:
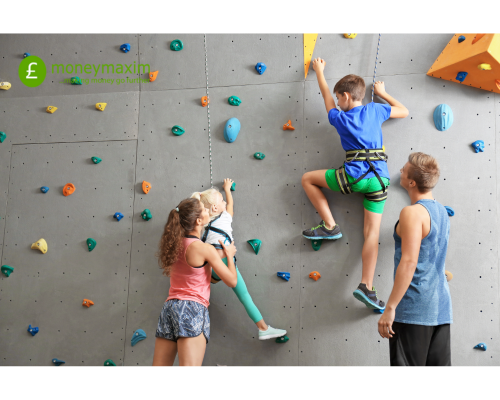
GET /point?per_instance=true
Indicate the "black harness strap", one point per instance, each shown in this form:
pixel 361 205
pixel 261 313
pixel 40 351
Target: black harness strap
pixel 217 230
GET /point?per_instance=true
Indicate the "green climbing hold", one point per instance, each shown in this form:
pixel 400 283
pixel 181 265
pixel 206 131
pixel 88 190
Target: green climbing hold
pixel 6 270
pixel 177 130
pixel 176 45
pixel 316 244
pixel 91 243
pixel 255 243
pixel 233 186
pixel 234 101
pixel 146 215
pixel 75 80
pixel 282 339
pixel 2 136
pixel 96 160
pixel 109 363
pixel 259 156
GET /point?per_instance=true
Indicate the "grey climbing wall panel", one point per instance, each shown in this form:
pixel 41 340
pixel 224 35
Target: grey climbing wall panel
pixel 326 325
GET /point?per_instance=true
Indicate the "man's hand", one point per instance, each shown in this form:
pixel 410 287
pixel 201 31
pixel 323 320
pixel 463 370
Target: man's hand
pixel 319 65
pixel 379 88
pixel 385 323
pixel 227 184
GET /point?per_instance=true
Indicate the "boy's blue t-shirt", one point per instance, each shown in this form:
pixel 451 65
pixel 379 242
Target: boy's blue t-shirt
pixel 361 128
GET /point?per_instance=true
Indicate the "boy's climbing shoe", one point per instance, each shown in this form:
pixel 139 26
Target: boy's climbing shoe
pixel 271 333
pixel 320 232
pixel 369 297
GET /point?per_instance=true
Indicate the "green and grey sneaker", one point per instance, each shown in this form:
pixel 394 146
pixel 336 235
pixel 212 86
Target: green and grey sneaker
pixel 320 232
pixel 368 297
pixel 271 333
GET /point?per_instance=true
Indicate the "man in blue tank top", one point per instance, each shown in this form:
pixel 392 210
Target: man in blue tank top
pixel 418 314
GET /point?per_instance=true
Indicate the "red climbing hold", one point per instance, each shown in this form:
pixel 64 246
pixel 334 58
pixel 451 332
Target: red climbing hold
pixel 69 188
pixel 288 126
pixel 87 303
pixel 204 101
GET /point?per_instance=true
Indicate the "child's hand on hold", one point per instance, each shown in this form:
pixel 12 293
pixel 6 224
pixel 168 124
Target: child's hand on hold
pixel 379 88
pixel 227 184
pixel 319 65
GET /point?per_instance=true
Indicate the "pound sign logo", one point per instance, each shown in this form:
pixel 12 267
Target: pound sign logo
pixel 32 71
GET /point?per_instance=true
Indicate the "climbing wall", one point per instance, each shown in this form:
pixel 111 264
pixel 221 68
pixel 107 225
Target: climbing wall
pixel 324 322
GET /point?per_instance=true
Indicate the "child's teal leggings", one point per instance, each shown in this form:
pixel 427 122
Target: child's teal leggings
pixel 244 297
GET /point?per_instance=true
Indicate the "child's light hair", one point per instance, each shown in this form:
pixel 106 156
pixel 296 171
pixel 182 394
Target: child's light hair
pixel 208 198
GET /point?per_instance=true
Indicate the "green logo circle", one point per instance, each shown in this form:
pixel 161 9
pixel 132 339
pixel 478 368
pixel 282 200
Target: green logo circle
pixel 32 71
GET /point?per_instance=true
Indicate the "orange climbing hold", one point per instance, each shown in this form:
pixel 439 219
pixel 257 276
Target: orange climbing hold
pixel 87 303
pixel 69 188
pixel 204 101
pixel 315 275
pixel 152 76
pixel 477 37
pixel 146 187
pixel 449 275
pixel 498 83
pixel 288 126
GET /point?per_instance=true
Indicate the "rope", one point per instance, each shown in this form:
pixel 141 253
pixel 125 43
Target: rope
pixel 208 112
pixel 376 62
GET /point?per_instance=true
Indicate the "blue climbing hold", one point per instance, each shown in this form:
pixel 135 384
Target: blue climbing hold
pixel 377 311
pixel 26 55
pixel 284 275
pixel 481 346
pixel 450 211
pixel 443 117
pixel 461 76
pixel 125 47
pixel 231 129
pixel 44 189
pixel 58 362
pixel 33 330
pixel 260 68
pixel 478 146
pixel 139 335
pixel 461 38
pixel 118 216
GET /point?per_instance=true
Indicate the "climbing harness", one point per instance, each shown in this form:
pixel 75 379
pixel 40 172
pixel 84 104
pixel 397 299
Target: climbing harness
pixel 208 111
pixel 376 60
pixel 361 155
pixel 209 227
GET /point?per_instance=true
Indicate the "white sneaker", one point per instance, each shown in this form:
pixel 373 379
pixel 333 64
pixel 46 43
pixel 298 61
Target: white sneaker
pixel 271 333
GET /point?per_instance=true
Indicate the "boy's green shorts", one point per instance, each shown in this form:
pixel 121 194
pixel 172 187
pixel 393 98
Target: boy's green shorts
pixel 363 186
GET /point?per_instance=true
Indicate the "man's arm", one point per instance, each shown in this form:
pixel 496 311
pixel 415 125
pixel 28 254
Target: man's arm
pixel 319 66
pixel 398 110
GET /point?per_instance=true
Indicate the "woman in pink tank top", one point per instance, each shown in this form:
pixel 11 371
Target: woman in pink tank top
pixel 184 322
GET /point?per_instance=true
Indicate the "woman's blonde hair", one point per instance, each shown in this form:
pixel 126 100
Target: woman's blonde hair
pixel 208 198
pixel 424 170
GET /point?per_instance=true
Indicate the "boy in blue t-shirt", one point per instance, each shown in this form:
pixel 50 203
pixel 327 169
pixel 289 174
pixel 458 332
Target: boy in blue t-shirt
pixel 364 171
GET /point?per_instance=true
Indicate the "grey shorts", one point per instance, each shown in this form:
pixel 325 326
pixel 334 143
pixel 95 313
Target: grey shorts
pixel 183 318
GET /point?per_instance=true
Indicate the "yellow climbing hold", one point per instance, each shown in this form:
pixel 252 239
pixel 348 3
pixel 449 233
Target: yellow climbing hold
pixel 309 43
pixel 350 35
pixel 484 67
pixel 101 106
pixel 5 85
pixel 51 109
pixel 40 245
pixel 449 275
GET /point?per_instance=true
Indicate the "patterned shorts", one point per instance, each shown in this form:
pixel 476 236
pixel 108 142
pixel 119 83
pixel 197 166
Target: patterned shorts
pixel 183 318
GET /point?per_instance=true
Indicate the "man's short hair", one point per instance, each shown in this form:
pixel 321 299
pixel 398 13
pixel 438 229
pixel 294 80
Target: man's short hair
pixel 424 170
pixel 353 84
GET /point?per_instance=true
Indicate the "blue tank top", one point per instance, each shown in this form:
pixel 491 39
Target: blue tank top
pixel 427 300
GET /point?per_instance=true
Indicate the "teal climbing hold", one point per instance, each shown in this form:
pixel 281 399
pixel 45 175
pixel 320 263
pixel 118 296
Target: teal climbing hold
pixel 234 100
pixel 233 186
pixel 139 335
pixel 316 244
pixel 443 117
pixel 176 45
pixel 58 362
pixel 75 80
pixel 2 136
pixel 231 129
pixel 259 156
pixel 178 130
pixel 146 215
pixel 481 346
pixel 109 363
pixel 282 339
pixel 255 243
pixel 91 243
pixel 96 160
pixel 7 270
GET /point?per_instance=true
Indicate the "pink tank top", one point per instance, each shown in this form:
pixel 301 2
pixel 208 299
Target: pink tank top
pixel 189 283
